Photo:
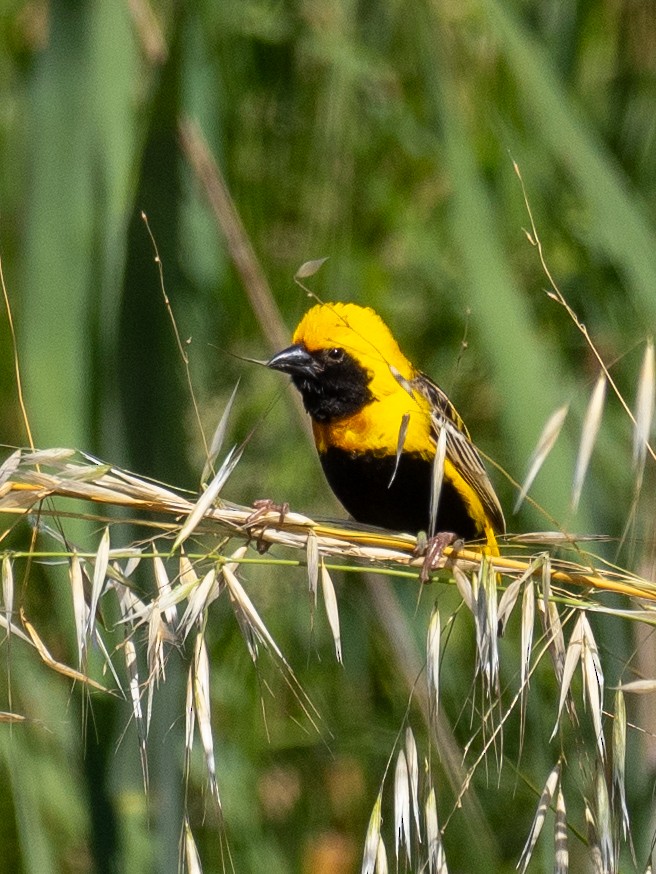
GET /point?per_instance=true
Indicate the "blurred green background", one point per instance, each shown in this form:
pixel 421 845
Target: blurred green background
pixel 381 135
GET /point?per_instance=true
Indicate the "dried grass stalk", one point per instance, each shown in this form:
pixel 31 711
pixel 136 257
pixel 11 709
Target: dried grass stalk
pixel 373 836
pixel 402 808
pixel 544 804
pixel 35 476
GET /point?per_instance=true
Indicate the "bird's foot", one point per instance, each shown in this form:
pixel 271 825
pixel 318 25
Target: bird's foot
pixel 432 550
pixel 263 506
pixel 260 508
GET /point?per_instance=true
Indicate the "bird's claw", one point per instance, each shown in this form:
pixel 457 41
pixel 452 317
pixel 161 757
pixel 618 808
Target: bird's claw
pixel 432 550
pixel 260 508
pixel 263 506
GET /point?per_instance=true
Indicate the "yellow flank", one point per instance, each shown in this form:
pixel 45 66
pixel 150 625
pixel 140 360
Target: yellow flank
pixel 474 505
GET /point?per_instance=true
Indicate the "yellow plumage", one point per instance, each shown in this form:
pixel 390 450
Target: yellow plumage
pixel 375 417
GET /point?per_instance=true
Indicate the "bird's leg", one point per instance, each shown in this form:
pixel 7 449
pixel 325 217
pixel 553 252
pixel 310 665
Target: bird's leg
pixel 432 550
pixel 265 505
pixel 260 508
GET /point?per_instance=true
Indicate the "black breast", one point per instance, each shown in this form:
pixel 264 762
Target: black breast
pixel 362 484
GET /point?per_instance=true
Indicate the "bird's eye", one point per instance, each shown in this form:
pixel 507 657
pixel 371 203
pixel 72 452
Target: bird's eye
pixel 336 354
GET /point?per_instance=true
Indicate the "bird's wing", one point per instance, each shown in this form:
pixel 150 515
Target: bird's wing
pixel 460 450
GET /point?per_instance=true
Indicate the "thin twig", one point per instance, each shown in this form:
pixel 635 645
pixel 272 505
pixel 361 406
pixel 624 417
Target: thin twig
pixel 14 344
pixel 557 295
pixel 178 339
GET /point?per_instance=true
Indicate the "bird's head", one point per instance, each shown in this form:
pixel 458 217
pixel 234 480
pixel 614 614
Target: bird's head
pixel 343 356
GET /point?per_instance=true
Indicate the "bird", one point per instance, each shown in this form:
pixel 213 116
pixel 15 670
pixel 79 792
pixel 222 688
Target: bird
pixel 376 422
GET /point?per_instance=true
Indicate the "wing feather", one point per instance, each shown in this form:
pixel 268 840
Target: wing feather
pixel 460 450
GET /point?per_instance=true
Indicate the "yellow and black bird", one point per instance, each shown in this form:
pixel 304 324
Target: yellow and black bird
pixel 376 422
